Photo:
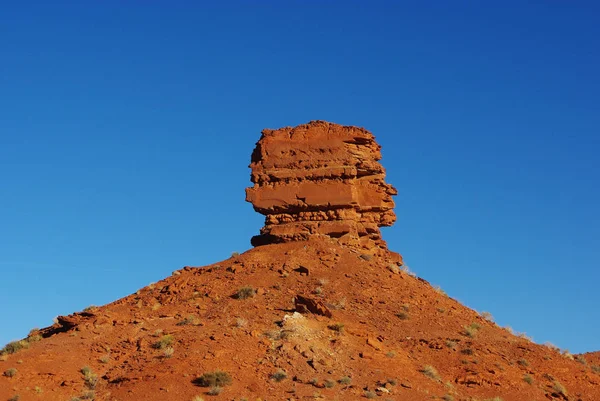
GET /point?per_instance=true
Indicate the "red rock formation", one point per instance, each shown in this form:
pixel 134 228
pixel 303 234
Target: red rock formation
pixel 320 179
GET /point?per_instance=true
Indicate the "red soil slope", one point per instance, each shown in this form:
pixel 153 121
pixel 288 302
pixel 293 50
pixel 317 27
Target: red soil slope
pixel 386 327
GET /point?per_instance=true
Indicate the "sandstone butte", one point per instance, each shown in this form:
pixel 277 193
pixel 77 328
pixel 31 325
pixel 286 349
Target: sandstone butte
pixel 319 309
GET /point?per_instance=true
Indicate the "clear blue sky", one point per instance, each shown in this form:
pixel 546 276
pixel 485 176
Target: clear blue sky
pixel 126 130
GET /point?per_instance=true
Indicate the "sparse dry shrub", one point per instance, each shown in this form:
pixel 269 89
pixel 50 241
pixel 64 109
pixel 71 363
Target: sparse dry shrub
pixel 558 388
pixel 581 359
pixel 245 293
pixel 190 320
pixel 216 390
pixel 340 304
pixel 596 368
pixel 370 395
pixel 567 354
pixel 168 352
pixel 15 397
pixel 471 330
pixel 218 378
pixel 393 268
pixel 528 379
pixel 329 383
pixel 439 290
pixel 33 336
pixel 523 362
pixel 277 334
pixel 448 397
pixel 279 375
pixel 90 379
pixel 346 380
pixel 407 271
pixel 487 316
pixel 12 372
pixel 338 327
pixel 402 315
pixel 430 372
pixel 451 344
pixel 164 342
pixel 15 346
pixel 524 336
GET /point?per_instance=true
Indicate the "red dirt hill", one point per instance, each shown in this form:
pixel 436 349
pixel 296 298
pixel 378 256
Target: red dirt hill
pixel 313 313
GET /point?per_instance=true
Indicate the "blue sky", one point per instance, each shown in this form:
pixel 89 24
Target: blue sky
pixel 126 130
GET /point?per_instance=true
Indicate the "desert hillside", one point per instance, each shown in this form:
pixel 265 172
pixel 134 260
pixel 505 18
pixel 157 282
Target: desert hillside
pixel 318 309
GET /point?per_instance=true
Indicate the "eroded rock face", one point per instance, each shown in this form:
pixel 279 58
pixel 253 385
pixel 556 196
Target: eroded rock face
pixel 320 179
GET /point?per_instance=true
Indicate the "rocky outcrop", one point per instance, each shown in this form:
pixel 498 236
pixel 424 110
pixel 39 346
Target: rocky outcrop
pixel 320 179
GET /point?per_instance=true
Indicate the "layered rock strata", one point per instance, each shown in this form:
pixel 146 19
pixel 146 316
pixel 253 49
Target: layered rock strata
pixel 320 179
